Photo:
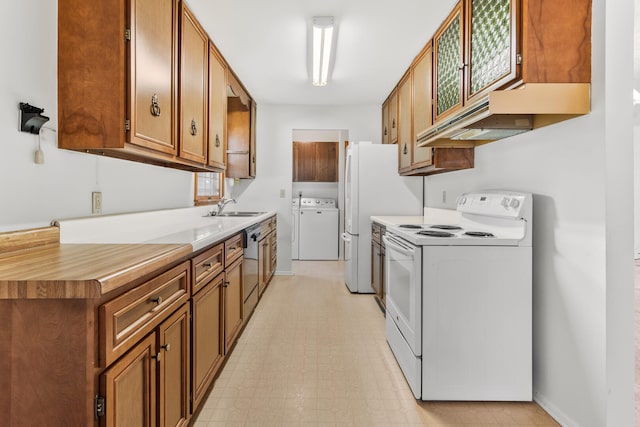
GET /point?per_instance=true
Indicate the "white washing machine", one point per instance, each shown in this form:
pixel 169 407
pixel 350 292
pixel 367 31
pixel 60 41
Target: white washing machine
pixel 318 229
pixel 295 228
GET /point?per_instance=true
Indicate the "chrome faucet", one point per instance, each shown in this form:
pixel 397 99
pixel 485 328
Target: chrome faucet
pixel 222 203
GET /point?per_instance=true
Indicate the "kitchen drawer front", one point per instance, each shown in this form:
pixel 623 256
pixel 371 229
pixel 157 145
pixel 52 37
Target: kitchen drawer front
pixel 129 317
pixel 268 225
pixel 207 265
pixel 232 249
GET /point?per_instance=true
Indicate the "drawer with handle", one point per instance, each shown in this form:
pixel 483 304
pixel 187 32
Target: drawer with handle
pixel 232 249
pixel 206 266
pixel 129 317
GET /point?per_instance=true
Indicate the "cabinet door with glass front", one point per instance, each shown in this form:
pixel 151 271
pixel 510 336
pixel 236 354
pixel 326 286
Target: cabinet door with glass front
pixel 448 65
pixel 492 53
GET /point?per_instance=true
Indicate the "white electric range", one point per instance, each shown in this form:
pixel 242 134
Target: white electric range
pixel 459 299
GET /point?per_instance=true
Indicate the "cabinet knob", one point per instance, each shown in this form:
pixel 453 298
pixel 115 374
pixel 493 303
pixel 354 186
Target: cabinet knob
pixel 157 300
pixel 393 124
pixel 404 150
pixel 217 141
pixel 157 357
pixel 194 129
pixel 166 347
pixel 155 106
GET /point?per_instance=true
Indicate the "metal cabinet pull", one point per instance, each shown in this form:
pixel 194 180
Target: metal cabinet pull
pixel 157 300
pixel 225 284
pixel 194 129
pixel 404 150
pixel 155 106
pixel 166 347
pixel 208 264
pixel 217 141
pixel 385 131
pixel 393 124
pixel 157 357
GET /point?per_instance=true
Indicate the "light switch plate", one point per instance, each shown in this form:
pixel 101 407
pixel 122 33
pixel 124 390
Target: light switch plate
pixel 282 193
pixel 96 202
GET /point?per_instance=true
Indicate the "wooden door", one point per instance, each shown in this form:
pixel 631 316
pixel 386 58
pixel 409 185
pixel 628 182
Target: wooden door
pixel 217 109
pixel 153 51
pixel 405 136
pixel 385 122
pixel 326 158
pixel 194 53
pixel 233 303
pixel 304 164
pixel 129 387
pixel 393 117
pixel 208 346
pixel 422 110
pixel 448 65
pixel 491 54
pixel 173 373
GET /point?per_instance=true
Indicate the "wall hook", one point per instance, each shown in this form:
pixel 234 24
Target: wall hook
pixel 31 118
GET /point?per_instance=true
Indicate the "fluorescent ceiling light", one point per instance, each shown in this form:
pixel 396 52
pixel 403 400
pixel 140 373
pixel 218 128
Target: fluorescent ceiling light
pixel 322 42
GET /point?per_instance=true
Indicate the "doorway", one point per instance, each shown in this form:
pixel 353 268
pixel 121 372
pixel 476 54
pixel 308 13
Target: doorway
pixel 318 172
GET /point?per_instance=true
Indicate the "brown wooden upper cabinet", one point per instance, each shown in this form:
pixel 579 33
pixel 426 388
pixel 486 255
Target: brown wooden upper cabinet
pixel 241 110
pixel 393 117
pixel 405 135
pixel 422 108
pixel 217 141
pixel 385 122
pixel 194 54
pixel 448 52
pixel 315 162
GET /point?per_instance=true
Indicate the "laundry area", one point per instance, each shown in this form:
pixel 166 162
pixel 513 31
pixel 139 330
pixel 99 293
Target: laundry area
pixel 316 191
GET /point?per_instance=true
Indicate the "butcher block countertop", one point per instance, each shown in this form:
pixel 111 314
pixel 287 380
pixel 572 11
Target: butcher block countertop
pixel 81 271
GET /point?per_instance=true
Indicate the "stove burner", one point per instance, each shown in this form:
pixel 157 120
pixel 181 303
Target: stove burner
pixel 479 234
pixel 446 227
pixel 435 233
pixel 415 226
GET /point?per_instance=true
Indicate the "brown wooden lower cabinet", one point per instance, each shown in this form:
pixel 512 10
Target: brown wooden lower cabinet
pixel 233 303
pixel 267 253
pixel 377 263
pixel 149 385
pixel 208 348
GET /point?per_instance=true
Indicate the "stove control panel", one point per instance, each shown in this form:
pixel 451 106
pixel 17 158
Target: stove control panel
pixel 499 204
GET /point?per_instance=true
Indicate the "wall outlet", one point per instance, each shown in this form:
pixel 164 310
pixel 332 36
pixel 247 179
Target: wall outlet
pixel 282 193
pixel 96 202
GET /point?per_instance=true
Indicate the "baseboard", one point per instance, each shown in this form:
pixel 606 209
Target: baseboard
pixel 553 410
pixel 283 273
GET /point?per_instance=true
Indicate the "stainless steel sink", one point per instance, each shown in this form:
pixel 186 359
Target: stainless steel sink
pixel 239 214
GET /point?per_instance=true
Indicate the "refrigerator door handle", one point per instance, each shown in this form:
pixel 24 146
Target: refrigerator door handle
pixel 346 237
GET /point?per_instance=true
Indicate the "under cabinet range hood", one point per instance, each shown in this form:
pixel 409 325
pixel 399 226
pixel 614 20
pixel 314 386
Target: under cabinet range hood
pixel 504 113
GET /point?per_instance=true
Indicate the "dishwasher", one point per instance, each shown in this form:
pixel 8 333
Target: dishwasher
pixel 250 237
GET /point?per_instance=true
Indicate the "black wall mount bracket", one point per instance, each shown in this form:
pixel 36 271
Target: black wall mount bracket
pixel 31 118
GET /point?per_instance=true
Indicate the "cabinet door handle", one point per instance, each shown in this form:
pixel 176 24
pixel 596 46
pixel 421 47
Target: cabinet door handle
pixel 155 106
pixel 157 357
pixel 208 264
pixel 404 150
pixel 393 124
pixel 217 141
pixel 166 347
pixel 225 284
pixel 194 129
pixel 460 68
pixel 253 158
pixel 157 300
pixel 385 131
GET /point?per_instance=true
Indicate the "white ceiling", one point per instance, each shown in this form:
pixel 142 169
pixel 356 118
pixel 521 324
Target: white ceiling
pixel 265 42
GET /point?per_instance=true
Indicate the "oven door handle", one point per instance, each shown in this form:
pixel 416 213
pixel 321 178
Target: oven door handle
pixel 397 246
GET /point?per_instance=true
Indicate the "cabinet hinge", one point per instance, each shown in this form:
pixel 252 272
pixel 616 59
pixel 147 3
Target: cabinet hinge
pixel 99 406
pixel 127 34
pixel 127 125
pixel 518 59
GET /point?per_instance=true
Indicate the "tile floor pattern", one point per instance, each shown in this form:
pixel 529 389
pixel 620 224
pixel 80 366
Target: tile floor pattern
pixel 315 355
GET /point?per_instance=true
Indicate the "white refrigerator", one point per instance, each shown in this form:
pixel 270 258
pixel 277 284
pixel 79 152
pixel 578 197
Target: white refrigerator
pixel 373 187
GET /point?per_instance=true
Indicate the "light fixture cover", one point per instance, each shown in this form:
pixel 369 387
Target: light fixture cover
pixel 323 27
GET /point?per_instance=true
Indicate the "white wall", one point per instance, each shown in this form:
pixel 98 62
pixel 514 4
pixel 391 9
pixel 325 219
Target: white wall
pixel 580 174
pixel 275 124
pixel 32 195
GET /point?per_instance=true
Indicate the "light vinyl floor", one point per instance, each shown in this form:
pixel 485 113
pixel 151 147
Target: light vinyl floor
pixel 315 355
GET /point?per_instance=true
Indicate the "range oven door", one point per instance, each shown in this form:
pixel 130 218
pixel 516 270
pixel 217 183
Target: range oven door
pixel 403 273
